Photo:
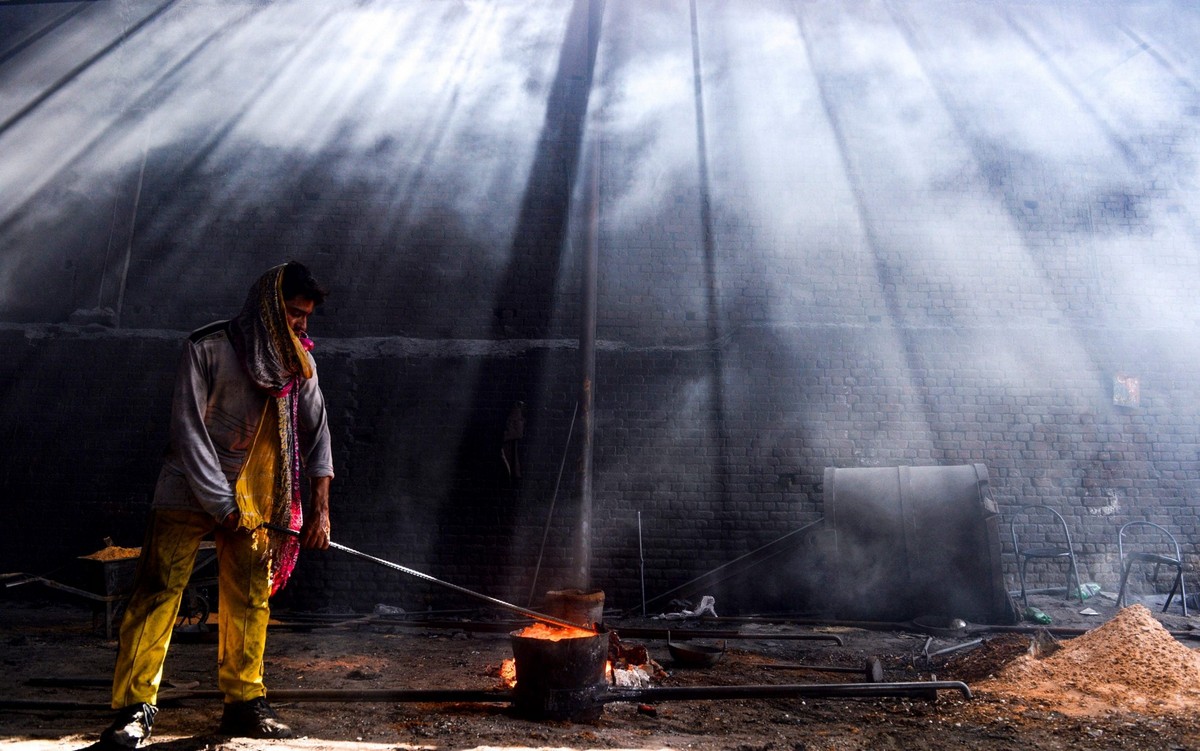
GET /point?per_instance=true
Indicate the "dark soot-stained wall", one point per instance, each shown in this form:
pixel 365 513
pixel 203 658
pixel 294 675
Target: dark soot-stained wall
pixel 849 235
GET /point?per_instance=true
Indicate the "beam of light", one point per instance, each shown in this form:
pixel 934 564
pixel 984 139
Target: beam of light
pixel 81 67
pixel 80 139
pixel 949 221
pixel 1127 265
pixel 19 45
pixel 413 103
pixel 998 166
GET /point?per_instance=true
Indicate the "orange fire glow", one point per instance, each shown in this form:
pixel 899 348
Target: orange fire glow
pixel 508 672
pixel 553 633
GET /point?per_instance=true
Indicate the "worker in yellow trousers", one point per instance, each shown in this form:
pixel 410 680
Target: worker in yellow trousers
pixel 165 567
pixel 247 419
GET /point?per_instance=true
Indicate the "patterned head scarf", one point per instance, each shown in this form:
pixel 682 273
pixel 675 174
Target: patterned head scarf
pixel 272 354
pixel 276 360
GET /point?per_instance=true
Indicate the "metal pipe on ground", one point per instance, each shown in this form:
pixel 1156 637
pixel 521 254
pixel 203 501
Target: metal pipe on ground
pixel 871 670
pixel 912 689
pixel 919 689
pixel 915 689
pixel 646 633
pixel 663 633
pixel 957 648
pixel 908 626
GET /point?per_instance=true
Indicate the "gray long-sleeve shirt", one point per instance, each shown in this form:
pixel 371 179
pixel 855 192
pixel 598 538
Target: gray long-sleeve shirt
pixel 214 415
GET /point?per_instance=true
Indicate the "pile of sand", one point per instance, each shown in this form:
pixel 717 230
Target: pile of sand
pixel 113 553
pixel 1130 663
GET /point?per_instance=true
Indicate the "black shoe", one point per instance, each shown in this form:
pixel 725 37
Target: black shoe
pixel 130 729
pixel 253 719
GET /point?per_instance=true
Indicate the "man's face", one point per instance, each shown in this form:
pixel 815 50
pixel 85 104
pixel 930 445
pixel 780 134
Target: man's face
pixel 298 309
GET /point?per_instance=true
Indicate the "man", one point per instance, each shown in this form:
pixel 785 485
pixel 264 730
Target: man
pixel 247 415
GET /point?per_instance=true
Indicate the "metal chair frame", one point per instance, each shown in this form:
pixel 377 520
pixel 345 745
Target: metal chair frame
pixel 1158 559
pixel 1045 553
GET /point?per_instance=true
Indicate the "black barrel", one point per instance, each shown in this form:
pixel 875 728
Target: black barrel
pixel 561 679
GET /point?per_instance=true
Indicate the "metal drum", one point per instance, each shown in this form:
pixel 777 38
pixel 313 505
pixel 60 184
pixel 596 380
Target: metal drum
pixel 560 679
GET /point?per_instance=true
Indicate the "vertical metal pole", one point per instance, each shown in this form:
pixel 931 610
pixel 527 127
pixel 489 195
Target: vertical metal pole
pixel 642 564
pixel 137 199
pixel 587 357
pixel 587 335
pixel 553 499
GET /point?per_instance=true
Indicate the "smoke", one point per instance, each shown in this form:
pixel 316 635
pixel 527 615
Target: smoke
pixel 947 140
pixel 1020 176
pixel 416 104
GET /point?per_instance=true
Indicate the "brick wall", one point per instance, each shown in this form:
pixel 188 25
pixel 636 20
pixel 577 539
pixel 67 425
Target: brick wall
pixel 417 439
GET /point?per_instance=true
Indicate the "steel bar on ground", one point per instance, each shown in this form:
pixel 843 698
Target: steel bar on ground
pixel 662 633
pixel 61 705
pixel 821 690
pixel 419 695
pixel 957 647
pixel 922 689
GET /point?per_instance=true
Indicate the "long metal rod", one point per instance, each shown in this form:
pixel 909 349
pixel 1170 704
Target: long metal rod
pixel 641 564
pixel 727 564
pixel 587 375
pixel 826 690
pixel 694 633
pixel 137 199
pixel 431 695
pixel 553 500
pixel 67 588
pixel 920 689
pixel 957 647
pixel 461 590
pixel 659 693
pixel 909 626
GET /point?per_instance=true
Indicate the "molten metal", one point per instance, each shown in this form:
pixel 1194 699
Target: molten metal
pixel 542 631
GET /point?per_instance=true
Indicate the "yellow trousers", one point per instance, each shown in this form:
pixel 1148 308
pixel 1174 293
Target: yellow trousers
pixel 168 555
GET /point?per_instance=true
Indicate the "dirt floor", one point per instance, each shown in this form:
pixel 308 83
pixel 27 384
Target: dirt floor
pixel 56 652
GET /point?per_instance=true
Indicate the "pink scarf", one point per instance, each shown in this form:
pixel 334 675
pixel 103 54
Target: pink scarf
pixel 275 359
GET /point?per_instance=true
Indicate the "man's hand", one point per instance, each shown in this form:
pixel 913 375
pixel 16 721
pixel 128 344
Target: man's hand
pixel 232 520
pixel 315 534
